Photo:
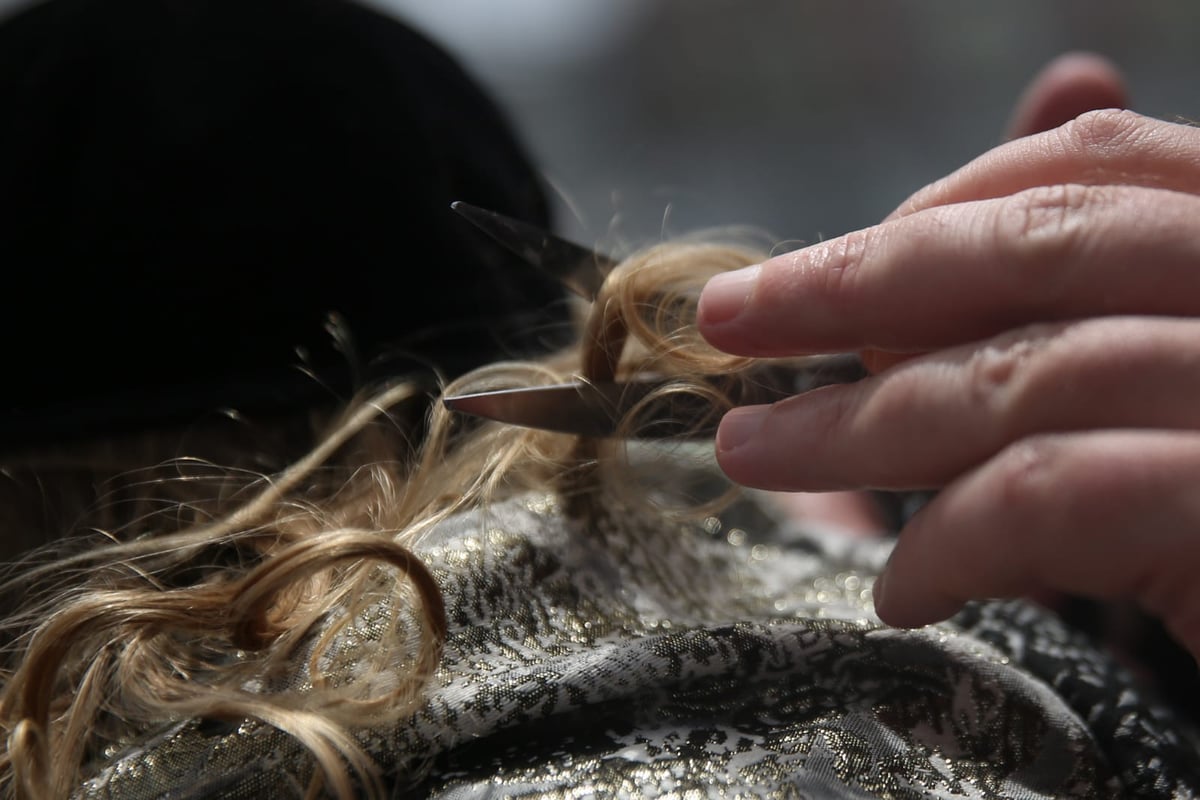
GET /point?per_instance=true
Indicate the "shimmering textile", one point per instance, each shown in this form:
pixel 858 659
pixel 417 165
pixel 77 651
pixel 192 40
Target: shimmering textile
pixel 733 658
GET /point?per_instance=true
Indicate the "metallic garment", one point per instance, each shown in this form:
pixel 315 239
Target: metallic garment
pixel 720 658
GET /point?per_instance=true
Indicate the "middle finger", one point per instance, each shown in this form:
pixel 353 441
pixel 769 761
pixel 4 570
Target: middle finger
pixel 928 420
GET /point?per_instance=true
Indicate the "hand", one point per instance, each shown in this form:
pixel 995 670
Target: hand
pixel 1067 87
pixel 1034 318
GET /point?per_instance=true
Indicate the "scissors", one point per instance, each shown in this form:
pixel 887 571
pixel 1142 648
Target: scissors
pixel 645 406
pixel 579 269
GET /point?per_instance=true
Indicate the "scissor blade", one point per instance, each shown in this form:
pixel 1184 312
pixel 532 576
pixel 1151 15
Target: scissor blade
pixel 579 269
pixel 601 409
pixel 580 408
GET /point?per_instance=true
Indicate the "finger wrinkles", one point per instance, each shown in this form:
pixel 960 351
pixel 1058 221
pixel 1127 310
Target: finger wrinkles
pixel 1050 377
pixel 1044 213
pixel 1111 372
pixel 1044 231
pixel 1105 134
pixel 803 296
pixel 836 265
pixel 995 374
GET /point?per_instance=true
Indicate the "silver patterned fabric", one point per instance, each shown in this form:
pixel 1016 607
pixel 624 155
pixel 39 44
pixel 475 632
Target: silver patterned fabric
pixel 644 656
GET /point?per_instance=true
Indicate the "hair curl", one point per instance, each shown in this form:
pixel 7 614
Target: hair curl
pixel 210 606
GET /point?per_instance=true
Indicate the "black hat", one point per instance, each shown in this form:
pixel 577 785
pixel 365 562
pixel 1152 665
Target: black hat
pixel 188 191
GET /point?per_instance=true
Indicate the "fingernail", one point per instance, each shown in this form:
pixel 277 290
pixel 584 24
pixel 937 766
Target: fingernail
pixel 738 427
pixel 726 294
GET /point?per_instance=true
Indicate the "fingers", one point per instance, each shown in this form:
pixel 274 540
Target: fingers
pixel 1103 514
pixel 924 422
pixel 955 274
pixel 1099 147
pixel 1068 86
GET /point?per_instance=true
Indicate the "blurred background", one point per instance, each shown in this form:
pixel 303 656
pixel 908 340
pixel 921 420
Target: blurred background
pixel 805 119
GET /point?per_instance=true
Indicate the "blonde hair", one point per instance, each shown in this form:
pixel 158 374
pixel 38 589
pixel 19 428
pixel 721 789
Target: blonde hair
pixel 211 607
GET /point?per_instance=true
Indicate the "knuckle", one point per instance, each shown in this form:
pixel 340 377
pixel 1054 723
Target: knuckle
pixel 1044 215
pixel 1101 133
pixel 840 263
pixel 996 372
pixel 1042 230
pixel 1011 376
pixel 1027 480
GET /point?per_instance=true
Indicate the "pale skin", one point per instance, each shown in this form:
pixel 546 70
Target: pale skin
pixel 1033 324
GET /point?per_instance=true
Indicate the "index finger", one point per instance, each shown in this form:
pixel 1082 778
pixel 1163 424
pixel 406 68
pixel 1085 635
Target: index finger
pixel 955 274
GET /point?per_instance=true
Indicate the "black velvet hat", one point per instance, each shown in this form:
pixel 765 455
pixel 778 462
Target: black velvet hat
pixel 189 189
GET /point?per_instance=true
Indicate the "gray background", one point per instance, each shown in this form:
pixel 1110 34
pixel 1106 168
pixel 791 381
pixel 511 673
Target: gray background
pixel 803 119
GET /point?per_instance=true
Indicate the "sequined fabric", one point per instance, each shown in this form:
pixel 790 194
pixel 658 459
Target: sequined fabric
pixel 729 658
